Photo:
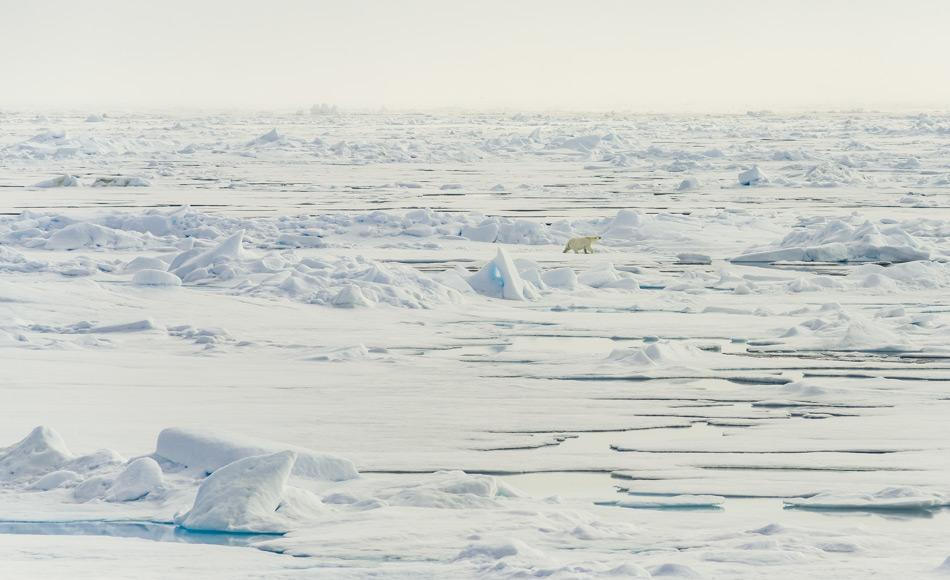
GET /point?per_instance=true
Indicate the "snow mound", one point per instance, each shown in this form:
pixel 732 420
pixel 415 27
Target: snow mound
pixel 217 263
pixel 688 184
pixel 145 263
pixel 632 228
pixel 343 353
pixel 64 180
pixel 889 498
pixel 144 325
pixel 120 181
pixel 909 275
pixel 93 488
pixel 242 496
pixel 39 453
pixel 581 144
pixel 13 261
pixel 499 278
pixel 485 232
pixel 345 282
pixel 563 278
pixel 625 225
pixel 142 477
pixel 660 355
pixel 148 277
pixel 88 235
pixel 500 549
pixel 840 331
pixel 839 241
pixel 607 276
pixel 453 490
pixel 671 570
pixel 753 176
pixel 269 137
pixel 693 258
pixel 56 479
pixel 350 296
pixel 208 451
pixel 833 174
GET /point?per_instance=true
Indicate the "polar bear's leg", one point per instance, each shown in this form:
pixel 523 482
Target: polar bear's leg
pixel 566 248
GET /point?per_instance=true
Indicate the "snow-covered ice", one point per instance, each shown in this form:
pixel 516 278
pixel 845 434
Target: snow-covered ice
pixel 351 346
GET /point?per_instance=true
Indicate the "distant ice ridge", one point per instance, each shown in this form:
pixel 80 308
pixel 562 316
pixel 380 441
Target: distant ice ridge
pixel 833 174
pixel 847 240
pixel 57 144
pixel 328 135
pixel 166 229
pixel 198 249
pixel 163 228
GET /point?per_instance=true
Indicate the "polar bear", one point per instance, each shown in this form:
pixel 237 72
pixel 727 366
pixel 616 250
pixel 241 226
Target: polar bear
pixel 586 243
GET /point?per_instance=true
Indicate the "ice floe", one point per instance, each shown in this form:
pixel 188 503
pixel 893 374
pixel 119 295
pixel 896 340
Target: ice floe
pixel 890 498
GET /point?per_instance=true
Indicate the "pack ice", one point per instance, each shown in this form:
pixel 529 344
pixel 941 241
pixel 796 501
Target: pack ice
pixel 348 344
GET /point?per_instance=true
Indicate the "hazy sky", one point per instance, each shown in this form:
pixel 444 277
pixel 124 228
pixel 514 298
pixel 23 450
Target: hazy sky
pixel 577 54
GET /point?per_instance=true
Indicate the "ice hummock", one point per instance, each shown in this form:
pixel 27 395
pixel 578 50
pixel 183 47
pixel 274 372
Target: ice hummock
pixel 206 451
pixel 688 184
pixel 753 176
pixel 837 330
pixel 837 240
pixel 64 180
pixel 194 265
pixel 142 477
pixel 87 235
pixel 150 277
pixel 499 278
pixel 271 136
pixel 242 496
pixel 661 355
pixel 40 452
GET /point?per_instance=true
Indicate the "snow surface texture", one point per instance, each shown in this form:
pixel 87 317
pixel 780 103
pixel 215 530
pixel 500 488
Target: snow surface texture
pixel 355 340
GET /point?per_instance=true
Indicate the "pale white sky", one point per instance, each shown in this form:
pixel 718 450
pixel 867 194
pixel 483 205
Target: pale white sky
pixel 528 54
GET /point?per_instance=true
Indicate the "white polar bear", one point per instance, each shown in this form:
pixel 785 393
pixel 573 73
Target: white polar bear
pixel 577 244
